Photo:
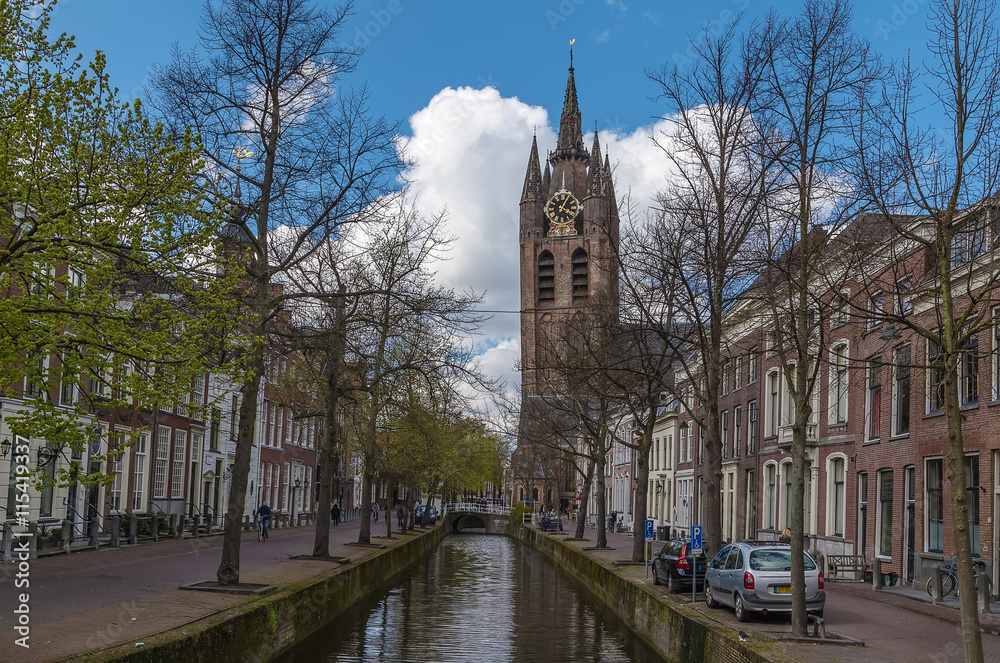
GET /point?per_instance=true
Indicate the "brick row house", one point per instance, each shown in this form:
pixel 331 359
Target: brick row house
pixel 876 481
pixel 176 459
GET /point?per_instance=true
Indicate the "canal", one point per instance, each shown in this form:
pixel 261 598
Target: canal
pixel 477 597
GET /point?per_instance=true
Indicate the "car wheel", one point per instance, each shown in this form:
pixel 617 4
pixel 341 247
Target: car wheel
pixel 656 578
pixel 710 597
pixel 673 584
pixel 741 611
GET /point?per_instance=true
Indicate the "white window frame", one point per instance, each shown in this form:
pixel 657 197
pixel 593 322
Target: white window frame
pixel 840 382
pixel 770 495
pixel 162 461
pixel 899 372
pixel 879 518
pixel 836 505
pixel 772 401
pixel 177 471
pixel 138 492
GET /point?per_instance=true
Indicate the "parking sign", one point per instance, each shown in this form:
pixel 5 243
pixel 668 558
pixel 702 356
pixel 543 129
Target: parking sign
pixel 696 545
pixel 649 530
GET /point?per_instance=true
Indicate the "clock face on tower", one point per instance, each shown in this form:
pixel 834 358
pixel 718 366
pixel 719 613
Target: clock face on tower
pixel 561 209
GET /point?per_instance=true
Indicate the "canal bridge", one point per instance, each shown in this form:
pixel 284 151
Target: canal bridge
pixel 459 516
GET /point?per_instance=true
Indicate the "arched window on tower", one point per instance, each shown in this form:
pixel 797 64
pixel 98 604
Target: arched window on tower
pixel 580 276
pixel 546 277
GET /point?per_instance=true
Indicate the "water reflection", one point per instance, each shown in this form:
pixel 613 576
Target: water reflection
pixel 478 598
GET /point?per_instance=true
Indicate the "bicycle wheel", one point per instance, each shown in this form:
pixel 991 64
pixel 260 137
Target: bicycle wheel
pixel 947 585
pixel 260 532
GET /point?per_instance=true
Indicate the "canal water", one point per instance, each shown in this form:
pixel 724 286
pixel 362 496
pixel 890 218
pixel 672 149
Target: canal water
pixel 481 598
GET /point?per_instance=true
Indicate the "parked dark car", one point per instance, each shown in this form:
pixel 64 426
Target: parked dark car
pixel 419 517
pixel 677 567
pixel 549 523
pixel 757 577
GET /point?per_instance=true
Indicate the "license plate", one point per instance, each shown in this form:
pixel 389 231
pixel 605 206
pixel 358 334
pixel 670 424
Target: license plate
pixel 783 589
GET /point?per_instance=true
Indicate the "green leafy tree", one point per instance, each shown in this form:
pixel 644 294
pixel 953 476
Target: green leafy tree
pixel 106 244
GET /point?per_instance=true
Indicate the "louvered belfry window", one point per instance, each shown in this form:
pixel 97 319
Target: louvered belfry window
pixel 580 276
pixel 546 277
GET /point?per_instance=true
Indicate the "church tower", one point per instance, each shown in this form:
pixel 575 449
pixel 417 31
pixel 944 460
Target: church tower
pixel 568 240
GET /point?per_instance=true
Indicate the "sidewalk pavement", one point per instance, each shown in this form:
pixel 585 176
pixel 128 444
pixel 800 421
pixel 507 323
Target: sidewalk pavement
pixel 895 624
pixel 91 600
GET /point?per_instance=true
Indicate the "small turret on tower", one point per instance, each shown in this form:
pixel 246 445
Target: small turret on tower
pixel 533 177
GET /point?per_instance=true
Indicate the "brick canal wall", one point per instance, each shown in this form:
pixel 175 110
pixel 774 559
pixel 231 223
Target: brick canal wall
pixel 259 629
pixel 677 632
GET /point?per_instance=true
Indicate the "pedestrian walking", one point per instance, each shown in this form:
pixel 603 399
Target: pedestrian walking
pixel 400 516
pixel 335 514
pixel 375 511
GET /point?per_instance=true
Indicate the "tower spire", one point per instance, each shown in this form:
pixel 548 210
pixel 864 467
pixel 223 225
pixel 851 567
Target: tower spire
pixel 533 176
pixel 570 141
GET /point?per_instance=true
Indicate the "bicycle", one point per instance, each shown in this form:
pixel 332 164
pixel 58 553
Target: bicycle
pixel 949 577
pixel 262 529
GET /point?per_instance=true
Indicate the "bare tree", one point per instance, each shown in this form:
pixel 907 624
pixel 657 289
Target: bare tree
pixel 262 95
pixel 937 261
pixel 815 72
pixel 683 270
pixel 404 327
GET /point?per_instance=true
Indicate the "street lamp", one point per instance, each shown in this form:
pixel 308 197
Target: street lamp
pixel 5 446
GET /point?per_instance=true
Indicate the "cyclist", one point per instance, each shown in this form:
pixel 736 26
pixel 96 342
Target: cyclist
pixel 264 517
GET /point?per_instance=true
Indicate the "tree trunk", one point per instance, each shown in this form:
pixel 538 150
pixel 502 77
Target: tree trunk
pixel 228 572
pixel 642 487
pixel 602 516
pixel 581 514
pixel 972 639
pixel 328 453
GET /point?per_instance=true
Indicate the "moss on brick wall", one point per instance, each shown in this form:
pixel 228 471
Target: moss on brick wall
pixel 258 629
pixel 673 629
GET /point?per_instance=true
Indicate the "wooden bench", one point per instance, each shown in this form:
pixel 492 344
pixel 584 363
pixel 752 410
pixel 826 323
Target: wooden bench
pixel 850 568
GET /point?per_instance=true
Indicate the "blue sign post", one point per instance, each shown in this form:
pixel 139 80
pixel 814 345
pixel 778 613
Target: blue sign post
pixel 697 547
pixel 649 542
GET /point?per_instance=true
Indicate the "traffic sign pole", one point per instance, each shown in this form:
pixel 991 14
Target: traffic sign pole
pixel 697 548
pixel 649 542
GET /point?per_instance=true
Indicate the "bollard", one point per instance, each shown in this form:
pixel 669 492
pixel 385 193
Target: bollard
pixel 67 534
pixel 196 525
pixel 95 533
pixel 179 526
pixel 246 522
pixel 133 529
pixel 983 594
pixel 876 573
pixel 33 540
pixel 8 543
pixel 116 523
pixel 936 590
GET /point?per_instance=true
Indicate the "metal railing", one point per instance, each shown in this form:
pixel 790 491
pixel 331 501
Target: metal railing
pixel 478 507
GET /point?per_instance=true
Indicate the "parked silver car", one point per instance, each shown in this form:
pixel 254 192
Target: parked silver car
pixel 757 577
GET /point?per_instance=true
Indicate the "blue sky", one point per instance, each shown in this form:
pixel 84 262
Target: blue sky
pixel 414 48
pixel 470 82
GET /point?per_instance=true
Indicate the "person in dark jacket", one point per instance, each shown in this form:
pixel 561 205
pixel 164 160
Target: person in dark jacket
pixel 335 514
pixel 263 514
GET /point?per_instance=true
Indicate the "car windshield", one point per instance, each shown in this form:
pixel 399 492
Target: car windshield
pixel 776 560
